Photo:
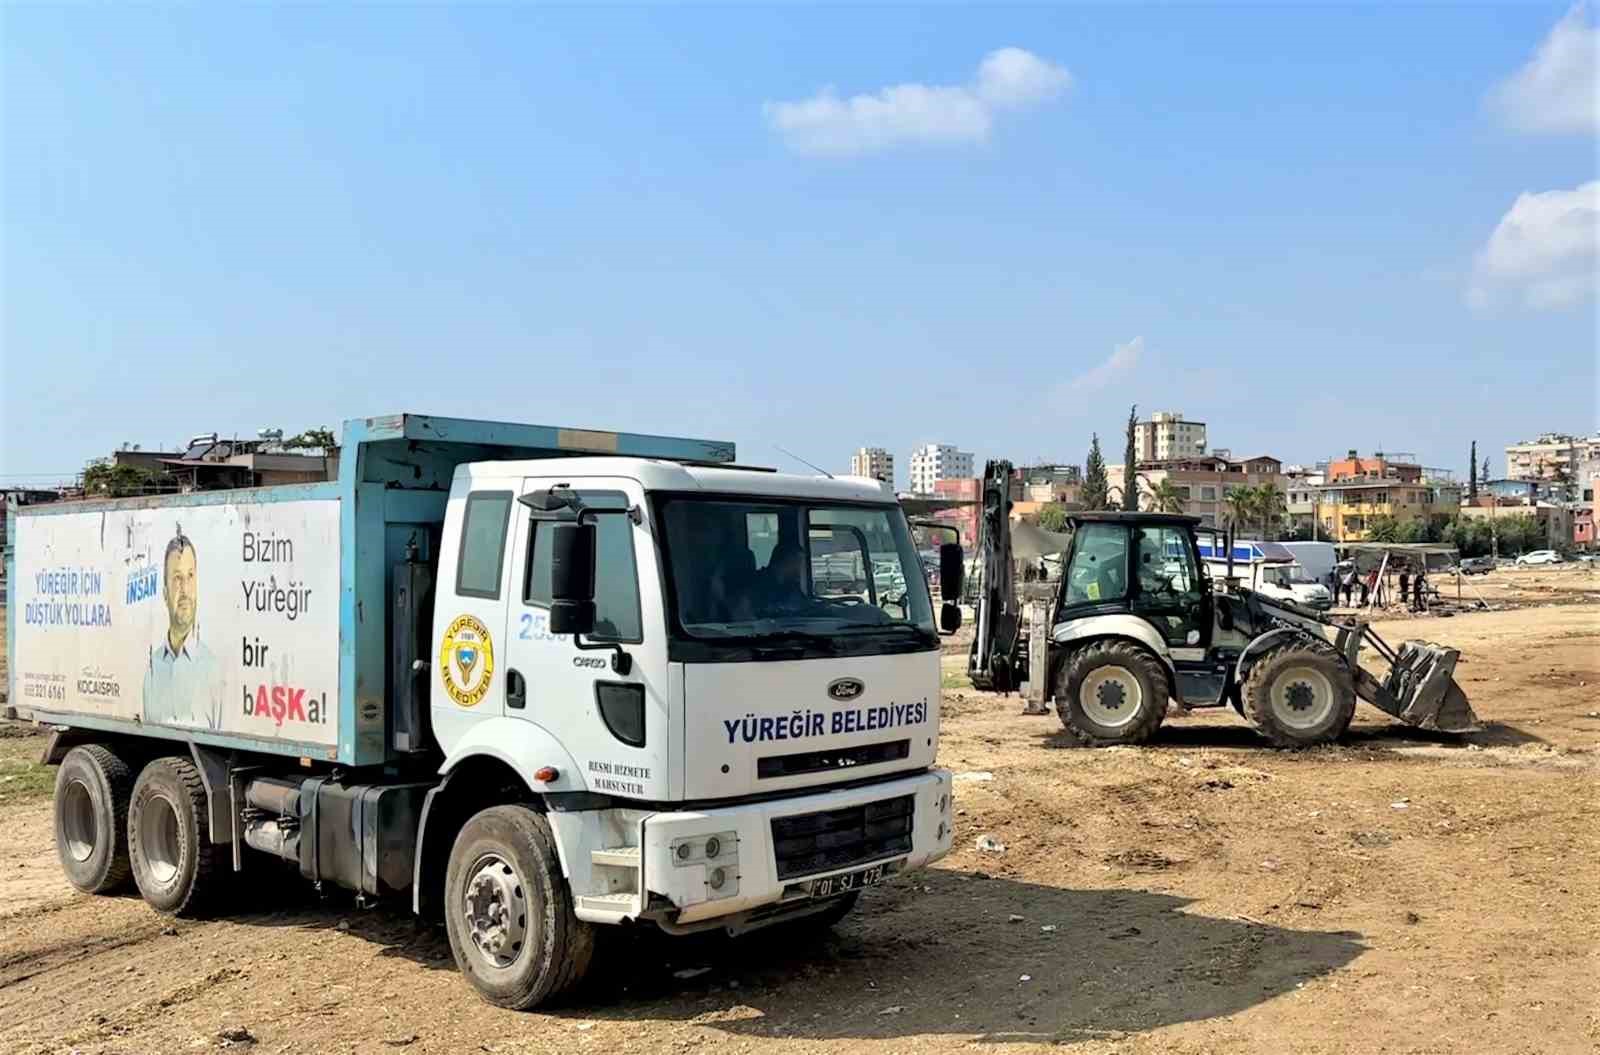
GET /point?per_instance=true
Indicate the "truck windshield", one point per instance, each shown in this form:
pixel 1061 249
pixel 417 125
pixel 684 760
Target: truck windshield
pixel 784 573
pixel 1286 575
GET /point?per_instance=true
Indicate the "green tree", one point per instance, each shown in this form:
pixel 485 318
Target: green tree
pixel 1096 495
pixel 1130 463
pixel 1383 528
pixel 1418 530
pixel 1241 507
pixel 1053 517
pixel 1472 471
pixel 318 439
pixel 1164 497
pixel 108 480
pixel 1271 505
pixel 1483 474
pixel 1519 533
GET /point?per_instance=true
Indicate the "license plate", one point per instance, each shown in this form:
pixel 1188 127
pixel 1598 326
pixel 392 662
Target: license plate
pixel 843 884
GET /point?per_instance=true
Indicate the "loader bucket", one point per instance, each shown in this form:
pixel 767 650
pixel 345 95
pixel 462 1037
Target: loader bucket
pixel 1421 689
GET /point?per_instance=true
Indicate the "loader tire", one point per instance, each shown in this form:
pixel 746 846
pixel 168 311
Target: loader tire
pixel 1297 695
pixel 509 911
pixel 1112 692
pixel 179 870
pixel 91 818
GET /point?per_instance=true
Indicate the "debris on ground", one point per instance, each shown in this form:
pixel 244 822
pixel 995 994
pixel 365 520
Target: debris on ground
pixel 990 845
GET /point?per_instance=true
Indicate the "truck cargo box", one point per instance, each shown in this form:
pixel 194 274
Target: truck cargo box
pixel 260 618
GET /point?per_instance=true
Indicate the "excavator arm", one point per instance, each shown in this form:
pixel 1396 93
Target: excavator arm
pixel 996 663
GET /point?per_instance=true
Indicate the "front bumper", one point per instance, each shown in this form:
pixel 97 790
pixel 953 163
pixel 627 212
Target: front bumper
pixel 724 862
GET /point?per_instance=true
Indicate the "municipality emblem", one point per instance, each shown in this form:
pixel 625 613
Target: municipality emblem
pixel 466 660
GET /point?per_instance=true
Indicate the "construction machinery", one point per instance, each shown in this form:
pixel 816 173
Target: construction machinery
pixel 1136 620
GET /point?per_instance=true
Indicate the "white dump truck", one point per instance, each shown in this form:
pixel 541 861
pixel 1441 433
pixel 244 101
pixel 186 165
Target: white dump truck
pixel 536 680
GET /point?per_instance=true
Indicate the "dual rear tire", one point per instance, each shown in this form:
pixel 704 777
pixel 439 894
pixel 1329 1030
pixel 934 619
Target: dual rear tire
pixel 112 828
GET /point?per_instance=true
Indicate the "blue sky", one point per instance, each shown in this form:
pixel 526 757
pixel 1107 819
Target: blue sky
pixel 648 219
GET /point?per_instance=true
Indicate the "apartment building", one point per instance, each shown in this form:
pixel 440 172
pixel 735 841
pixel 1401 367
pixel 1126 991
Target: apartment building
pixel 873 462
pixel 1203 484
pixel 938 461
pixel 1168 435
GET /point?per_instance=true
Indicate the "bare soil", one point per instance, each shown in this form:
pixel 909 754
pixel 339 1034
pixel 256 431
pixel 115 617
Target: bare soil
pixel 1402 892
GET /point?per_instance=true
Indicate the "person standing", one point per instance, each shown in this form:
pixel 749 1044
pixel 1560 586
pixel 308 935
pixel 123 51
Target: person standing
pixel 1405 583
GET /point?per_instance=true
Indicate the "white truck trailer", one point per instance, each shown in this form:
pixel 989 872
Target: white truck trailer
pixel 535 680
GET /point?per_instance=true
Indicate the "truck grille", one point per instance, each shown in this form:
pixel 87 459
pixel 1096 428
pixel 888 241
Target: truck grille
pixel 840 758
pixel 821 842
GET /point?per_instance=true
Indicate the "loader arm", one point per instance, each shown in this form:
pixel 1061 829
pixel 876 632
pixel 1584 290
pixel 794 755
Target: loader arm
pixel 1419 688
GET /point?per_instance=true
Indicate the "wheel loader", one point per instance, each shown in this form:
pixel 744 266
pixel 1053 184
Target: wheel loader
pixel 1137 621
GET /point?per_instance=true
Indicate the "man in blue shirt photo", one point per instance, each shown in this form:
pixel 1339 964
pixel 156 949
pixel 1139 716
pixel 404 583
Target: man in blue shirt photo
pixel 183 682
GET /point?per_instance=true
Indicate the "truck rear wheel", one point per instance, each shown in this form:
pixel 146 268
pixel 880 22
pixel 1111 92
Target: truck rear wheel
pixel 509 911
pixel 1297 696
pixel 1112 692
pixel 176 865
pixel 91 815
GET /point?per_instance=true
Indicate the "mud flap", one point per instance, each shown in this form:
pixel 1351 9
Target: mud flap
pixel 1421 689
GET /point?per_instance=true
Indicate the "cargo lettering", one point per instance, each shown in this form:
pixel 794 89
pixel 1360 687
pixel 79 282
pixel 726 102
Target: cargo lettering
pixel 56 605
pixel 283 703
pixel 267 596
pixel 802 723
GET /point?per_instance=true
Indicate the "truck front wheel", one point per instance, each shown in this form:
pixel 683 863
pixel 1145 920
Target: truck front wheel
pixel 91 814
pixel 509 911
pixel 175 863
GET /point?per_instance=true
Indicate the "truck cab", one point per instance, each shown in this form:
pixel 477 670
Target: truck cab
pixel 757 674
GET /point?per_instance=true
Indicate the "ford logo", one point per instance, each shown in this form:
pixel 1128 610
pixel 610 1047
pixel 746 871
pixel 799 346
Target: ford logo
pixel 846 688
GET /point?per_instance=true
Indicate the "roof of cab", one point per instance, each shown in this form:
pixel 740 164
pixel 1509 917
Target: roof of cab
pixel 662 475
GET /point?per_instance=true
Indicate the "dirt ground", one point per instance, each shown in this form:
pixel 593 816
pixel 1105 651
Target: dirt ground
pixel 1402 892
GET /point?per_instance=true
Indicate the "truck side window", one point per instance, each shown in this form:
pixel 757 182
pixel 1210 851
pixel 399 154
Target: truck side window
pixel 483 544
pixel 616 579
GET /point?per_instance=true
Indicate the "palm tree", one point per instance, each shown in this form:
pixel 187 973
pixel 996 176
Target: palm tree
pixel 1270 505
pixel 1241 503
pixel 1164 497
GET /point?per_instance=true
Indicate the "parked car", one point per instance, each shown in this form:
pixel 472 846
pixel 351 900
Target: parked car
pixel 1477 566
pixel 1540 556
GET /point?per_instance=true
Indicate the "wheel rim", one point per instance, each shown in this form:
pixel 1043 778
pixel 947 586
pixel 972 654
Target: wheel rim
pixel 159 840
pixel 1111 697
pixel 78 828
pixel 1302 697
pixel 495 907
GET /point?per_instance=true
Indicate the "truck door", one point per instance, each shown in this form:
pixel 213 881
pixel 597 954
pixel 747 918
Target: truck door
pixel 614 724
pixel 470 608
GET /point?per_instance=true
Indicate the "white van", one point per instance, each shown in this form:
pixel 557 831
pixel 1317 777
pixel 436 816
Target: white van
pixel 1269 569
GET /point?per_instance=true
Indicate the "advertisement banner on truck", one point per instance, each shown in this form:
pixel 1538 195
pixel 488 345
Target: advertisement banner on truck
pixel 215 617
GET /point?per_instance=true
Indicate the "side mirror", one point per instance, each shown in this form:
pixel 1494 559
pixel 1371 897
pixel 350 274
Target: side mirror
pixel 571 578
pixel 952 567
pixel 950 617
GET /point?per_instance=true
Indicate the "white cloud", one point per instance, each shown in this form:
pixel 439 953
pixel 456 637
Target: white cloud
pixel 1007 79
pixel 1543 253
pixel 1123 358
pixel 1557 90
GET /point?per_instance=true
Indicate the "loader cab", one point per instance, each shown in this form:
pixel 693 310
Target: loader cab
pixel 1140 564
